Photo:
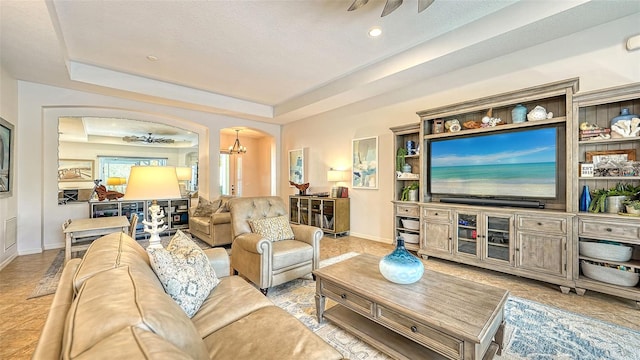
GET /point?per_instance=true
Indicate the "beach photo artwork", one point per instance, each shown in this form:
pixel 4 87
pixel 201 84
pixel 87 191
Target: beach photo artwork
pixel 509 164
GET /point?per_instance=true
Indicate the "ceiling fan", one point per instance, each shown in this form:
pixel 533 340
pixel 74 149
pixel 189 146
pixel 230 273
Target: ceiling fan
pixel 148 139
pixel 390 5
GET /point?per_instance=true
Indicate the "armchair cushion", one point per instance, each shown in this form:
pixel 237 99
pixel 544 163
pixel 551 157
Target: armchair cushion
pixel 184 271
pixel 273 228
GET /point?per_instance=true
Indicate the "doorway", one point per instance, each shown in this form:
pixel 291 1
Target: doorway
pixel 230 174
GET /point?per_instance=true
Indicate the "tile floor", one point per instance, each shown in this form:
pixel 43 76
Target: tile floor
pixel 22 320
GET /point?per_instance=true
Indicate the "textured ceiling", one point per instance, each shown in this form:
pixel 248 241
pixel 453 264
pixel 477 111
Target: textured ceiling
pixel 271 61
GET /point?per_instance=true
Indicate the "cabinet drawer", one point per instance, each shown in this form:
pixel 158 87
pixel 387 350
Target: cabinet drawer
pixel 347 298
pixel 544 224
pixel 608 230
pixel 407 210
pixel 437 214
pixel 425 335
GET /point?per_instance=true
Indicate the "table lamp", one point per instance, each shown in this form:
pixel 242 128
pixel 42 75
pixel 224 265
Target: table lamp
pixel 116 182
pixel 335 176
pixel 152 183
pixel 184 176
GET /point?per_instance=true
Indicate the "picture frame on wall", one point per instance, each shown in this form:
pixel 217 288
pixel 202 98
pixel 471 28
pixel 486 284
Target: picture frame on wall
pixel 596 157
pixel 6 158
pixel 73 170
pixel 365 163
pixel 296 166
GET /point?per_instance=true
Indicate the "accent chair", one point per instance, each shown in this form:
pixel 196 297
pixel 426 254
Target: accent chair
pixel 266 249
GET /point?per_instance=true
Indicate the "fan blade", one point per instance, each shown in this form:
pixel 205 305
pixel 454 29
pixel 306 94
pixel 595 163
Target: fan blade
pixel 423 4
pixel 390 6
pixel 357 4
pixel 133 138
pixel 162 141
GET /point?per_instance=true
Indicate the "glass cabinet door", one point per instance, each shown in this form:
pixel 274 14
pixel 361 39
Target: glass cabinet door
pixel 498 237
pixel 294 213
pixel 304 211
pixel 467 234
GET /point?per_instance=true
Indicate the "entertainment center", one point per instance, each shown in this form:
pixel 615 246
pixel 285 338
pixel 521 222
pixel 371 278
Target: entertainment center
pixel 506 197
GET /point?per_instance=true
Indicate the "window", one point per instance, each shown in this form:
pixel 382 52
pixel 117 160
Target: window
pixel 109 166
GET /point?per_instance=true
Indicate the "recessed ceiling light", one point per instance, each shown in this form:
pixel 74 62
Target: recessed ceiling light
pixel 375 31
pixel 152 58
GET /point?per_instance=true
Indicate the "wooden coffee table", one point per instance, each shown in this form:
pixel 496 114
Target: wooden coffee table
pixel 440 316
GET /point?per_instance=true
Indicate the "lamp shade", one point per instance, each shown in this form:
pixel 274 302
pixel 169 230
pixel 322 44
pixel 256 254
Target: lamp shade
pixel 335 175
pixel 184 173
pixel 152 182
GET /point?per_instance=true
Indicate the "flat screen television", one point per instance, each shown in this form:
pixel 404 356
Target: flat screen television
pixel 513 164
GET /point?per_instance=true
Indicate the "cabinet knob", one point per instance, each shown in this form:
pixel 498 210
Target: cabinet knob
pixel 609 229
pixel 436 214
pixel 539 224
pixel 414 329
pixel 343 296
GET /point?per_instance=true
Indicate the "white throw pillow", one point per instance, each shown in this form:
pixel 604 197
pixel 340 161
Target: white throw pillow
pixel 274 228
pixel 184 271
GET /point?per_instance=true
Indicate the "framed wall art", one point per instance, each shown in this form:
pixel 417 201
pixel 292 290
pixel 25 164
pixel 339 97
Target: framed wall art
pixel 610 155
pixel 296 166
pixel 75 170
pixel 6 158
pixel 365 163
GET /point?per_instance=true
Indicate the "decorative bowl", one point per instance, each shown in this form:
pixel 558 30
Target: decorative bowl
pixel 410 238
pixel 604 251
pixel 609 275
pixel 411 224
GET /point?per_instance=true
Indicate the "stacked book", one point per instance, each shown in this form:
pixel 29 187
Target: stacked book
pixel 594 134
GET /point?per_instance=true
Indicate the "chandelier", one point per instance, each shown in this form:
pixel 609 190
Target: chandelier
pixel 236 148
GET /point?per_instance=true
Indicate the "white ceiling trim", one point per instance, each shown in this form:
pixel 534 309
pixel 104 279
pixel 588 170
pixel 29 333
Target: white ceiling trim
pixel 96 75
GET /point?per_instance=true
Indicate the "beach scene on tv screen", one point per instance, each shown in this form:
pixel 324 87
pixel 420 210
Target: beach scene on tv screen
pixel 513 164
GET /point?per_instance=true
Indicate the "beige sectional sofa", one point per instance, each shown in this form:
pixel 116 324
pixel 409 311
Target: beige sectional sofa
pixel 111 305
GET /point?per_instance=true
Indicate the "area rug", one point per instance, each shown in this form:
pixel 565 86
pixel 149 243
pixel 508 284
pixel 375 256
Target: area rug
pixel 533 331
pixel 49 281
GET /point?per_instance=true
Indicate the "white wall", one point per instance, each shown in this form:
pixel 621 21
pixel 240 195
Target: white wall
pixel 8 205
pixel 597 56
pixel 40 106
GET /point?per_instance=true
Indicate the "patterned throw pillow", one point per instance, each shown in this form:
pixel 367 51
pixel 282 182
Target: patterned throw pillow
pixel 205 207
pixel 224 204
pixel 273 228
pixel 184 271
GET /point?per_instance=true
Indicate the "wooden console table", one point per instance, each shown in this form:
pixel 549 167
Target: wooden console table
pixel 82 228
pixel 440 316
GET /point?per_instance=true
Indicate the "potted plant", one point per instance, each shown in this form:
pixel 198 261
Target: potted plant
pixel 400 154
pixel 599 199
pixel 410 193
pixel 632 206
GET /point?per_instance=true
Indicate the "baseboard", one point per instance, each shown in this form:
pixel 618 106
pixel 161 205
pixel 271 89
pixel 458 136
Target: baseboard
pixel 30 251
pixel 54 246
pixel 369 237
pixel 8 260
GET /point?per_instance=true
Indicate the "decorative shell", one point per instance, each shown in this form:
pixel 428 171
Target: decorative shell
pixel 539 113
pixel 626 128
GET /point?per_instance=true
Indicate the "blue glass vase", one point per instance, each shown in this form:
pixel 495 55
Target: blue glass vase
pixel 401 267
pixel 585 199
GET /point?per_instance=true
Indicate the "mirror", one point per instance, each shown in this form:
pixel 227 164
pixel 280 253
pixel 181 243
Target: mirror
pixel 100 151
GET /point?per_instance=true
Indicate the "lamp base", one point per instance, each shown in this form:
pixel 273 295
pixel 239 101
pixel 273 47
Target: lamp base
pixel 155 226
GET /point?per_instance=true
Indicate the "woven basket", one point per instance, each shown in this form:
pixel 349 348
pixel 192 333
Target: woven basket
pixel 604 251
pixel 411 224
pixel 410 238
pixel 609 275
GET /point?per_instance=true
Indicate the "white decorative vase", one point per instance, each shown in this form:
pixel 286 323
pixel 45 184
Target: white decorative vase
pixel 614 204
pixel 413 195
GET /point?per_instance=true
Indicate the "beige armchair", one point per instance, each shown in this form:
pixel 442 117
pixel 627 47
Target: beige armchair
pixel 263 261
pixel 215 229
